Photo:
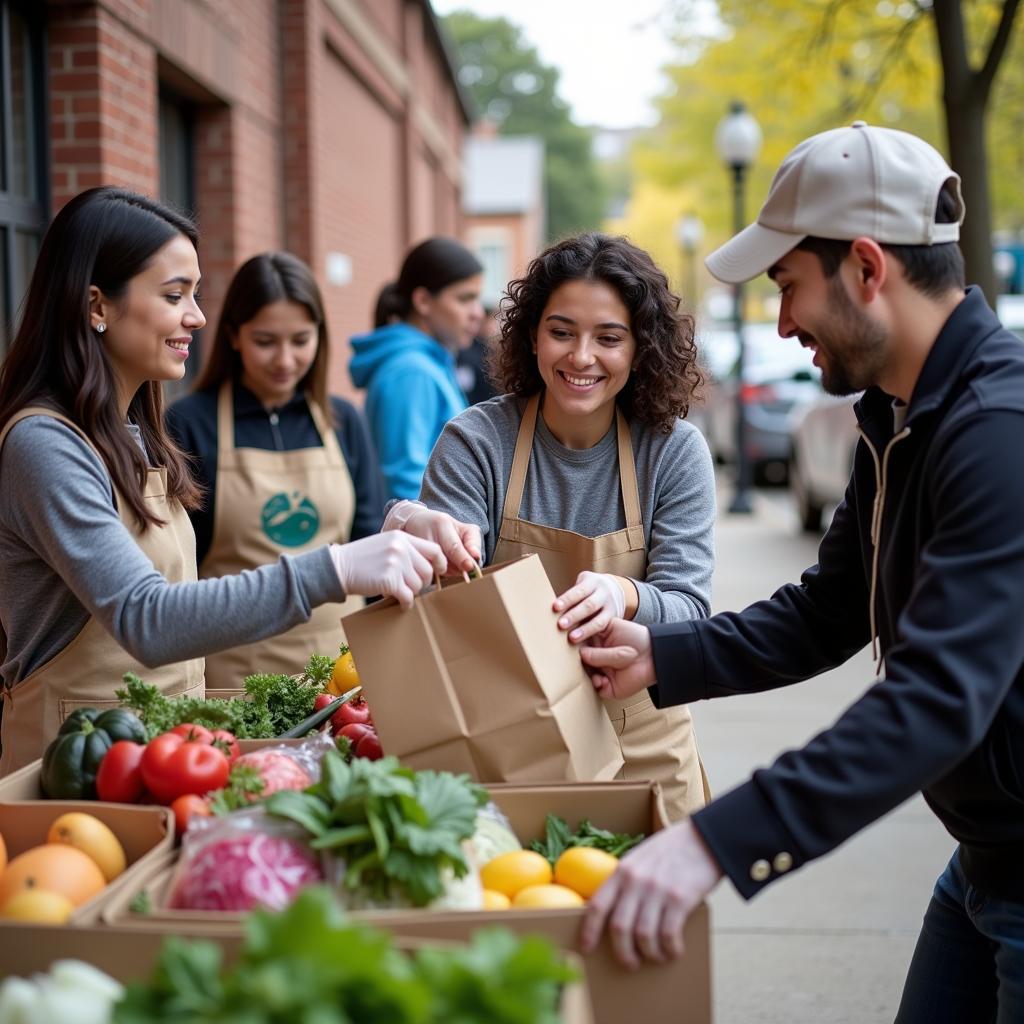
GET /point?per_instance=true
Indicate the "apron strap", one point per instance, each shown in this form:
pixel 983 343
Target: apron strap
pixel 627 481
pixel 328 438
pixel 520 465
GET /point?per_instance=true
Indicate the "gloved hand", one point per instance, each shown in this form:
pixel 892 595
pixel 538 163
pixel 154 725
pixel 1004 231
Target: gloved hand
pixel 394 564
pixel 590 604
pixel 461 542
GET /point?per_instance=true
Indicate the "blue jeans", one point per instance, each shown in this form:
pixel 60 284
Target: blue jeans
pixel 968 967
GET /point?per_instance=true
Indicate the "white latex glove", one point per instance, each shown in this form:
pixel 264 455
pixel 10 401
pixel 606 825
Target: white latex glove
pixel 590 604
pixel 461 542
pixel 393 564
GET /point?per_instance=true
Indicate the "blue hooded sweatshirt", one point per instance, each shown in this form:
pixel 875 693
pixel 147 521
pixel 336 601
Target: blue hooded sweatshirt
pixel 411 393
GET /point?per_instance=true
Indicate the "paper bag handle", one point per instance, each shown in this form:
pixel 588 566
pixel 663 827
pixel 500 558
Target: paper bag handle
pixel 476 574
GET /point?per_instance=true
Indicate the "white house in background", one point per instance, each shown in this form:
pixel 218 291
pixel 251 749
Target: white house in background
pixel 503 200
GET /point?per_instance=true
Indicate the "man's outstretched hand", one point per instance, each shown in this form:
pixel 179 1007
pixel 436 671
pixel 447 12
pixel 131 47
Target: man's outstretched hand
pixel 618 660
pixel 653 891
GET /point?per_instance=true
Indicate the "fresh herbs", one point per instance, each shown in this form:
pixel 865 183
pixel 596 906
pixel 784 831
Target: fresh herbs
pixel 245 784
pixel 558 838
pixel 308 963
pixel 272 704
pixel 398 832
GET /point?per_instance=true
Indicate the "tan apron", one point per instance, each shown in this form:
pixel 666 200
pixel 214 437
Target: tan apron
pixel 270 503
pixel 656 744
pixel 89 669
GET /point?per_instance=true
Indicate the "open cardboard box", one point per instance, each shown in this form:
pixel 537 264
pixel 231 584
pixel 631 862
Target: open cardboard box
pixel 129 953
pixel 146 833
pixel 679 991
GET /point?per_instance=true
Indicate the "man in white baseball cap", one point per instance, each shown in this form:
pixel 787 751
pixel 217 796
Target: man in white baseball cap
pixel 924 560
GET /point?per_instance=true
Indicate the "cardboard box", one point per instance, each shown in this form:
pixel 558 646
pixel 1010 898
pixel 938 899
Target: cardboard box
pixel 129 953
pixel 146 833
pixel 678 992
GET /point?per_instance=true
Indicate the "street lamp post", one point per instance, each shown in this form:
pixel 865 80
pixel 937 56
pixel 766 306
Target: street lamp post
pixel 689 234
pixel 738 141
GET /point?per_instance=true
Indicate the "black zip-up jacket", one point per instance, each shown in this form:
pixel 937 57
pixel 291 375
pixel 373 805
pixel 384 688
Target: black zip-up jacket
pixel 935 516
pixel 192 422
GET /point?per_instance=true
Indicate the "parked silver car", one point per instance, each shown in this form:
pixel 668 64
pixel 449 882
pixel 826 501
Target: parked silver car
pixel 779 377
pixel 824 438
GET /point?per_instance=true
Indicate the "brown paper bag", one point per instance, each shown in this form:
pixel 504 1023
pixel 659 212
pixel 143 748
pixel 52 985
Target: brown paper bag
pixel 478 678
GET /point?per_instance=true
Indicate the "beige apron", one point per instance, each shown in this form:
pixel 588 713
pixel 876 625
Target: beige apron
pixel 270 503
pixel 656 744
pixel 89 669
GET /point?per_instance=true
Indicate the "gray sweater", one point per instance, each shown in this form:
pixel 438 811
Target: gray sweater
pixel 66 556
pixel 579 490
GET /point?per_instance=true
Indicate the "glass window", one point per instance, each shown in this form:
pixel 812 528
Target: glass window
pixel 23 183
pixel 177 187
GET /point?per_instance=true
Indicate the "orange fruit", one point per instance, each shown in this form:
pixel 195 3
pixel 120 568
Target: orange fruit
pixel 584 869
pixel 93 838
pixel 344 676
pixel 38 906
pixel 495 900
pixel 3 854
pixel 55 868
pixel 548 897
pixel 509 872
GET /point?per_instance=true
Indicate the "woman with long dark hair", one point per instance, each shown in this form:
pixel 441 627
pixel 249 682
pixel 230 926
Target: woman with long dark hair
pixel 587 461
pixel 407 363
pixel 98 553
pixel 284 465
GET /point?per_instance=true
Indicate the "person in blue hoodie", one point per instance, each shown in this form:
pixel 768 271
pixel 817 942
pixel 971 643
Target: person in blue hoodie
pixel 407 363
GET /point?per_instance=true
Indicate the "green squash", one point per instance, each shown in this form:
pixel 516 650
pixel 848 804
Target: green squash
pixel 72 760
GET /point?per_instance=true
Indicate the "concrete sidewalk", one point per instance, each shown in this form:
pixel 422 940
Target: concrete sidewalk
pixel 832 943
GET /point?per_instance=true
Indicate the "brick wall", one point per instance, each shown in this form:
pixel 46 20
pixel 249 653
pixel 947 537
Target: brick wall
pixel 321 126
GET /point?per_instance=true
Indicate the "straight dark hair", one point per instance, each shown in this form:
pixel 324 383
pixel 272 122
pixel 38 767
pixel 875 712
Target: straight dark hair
pixel 103 237
pixel 434 264
pixel 264 279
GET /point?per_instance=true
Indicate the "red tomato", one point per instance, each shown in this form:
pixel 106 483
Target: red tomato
pixel 119 778
pixel 186 807
pixel 196 733
pixel 173 766
pixel 354 711
pixel 369 747
pixel 355 731
pixel 225 742
pixel 322 700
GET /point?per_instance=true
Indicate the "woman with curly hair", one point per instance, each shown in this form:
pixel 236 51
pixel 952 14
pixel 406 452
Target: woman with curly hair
pixel 588 461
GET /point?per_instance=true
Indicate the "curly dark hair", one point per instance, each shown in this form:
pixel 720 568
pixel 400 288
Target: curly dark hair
pixel 665 374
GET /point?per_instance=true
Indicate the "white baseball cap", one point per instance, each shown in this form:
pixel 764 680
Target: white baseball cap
pixel 843 184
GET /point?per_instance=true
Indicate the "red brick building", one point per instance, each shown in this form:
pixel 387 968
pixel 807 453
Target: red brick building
pixel 331 128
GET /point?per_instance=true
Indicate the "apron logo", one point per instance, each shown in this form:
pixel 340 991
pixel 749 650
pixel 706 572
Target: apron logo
pixel 290 519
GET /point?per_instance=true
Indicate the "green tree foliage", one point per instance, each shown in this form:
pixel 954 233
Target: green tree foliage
pixel 515 90
pixel 803 66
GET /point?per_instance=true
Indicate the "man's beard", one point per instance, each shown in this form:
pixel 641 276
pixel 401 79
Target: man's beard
pixel 854 347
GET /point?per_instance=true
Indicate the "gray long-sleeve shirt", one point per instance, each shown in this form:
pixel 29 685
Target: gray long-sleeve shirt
pixel 65 556
pixel 579 490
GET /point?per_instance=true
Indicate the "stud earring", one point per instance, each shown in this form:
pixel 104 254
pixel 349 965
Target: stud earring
pixel 100 328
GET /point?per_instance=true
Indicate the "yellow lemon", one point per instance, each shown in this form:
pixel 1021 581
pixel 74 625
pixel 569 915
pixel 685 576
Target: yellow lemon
pixel 38 905
pixel 496 900
pixel 510 872
pixel 93 838
pixel 547 896
pixel 584 869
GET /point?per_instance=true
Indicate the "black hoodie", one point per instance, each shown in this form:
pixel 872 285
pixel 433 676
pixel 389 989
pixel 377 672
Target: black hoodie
pixel 927 549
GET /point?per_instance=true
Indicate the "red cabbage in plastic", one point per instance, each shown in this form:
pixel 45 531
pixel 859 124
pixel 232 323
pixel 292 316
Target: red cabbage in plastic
pixel 244 872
